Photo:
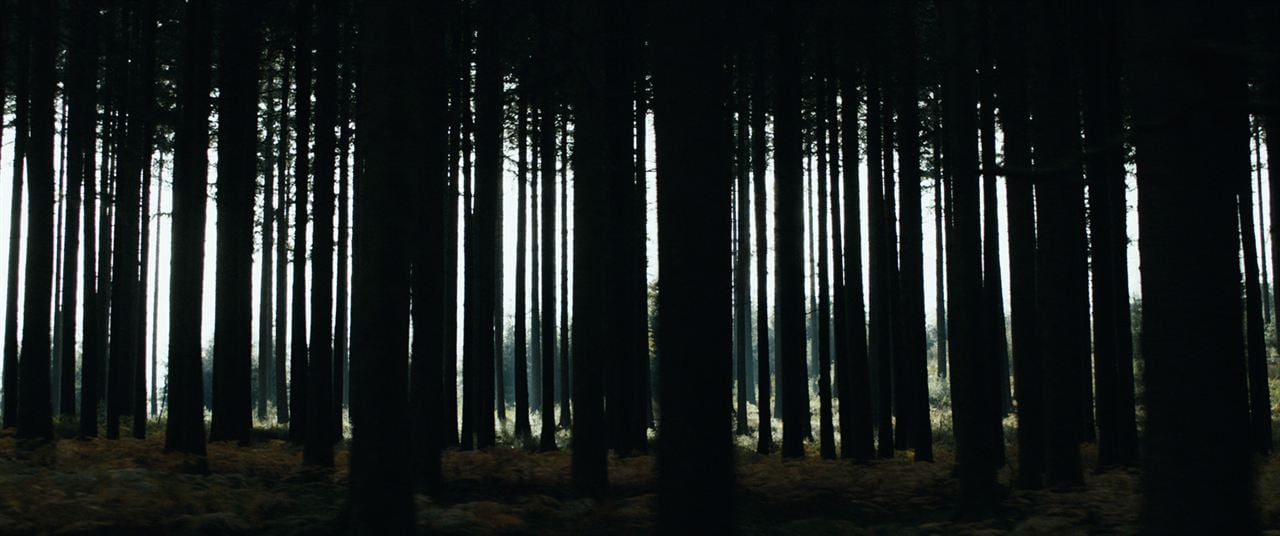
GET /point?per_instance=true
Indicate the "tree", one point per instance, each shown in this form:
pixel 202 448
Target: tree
pixel 298 364
pixel 21 125
pixel 695 461
pixel 184 429
pixel 1013 96
pixel 759 147
pixel 911 313
pixel 789 226
pixel 282 232
pixel 34 418
pixel 1105 178
pixel 855 401
pixel 146 85
pixel 380 498
pixel 545 328
pixel 521 358
pixel 237 172
pixel 1197 473
pixel 319 429
pixel 265 313
pixel 1063 306
pixel 971 367
pixel 826 428
pixel 84 63
pixel 427 285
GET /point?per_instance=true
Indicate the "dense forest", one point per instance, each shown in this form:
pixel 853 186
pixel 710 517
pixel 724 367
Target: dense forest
pixel 504 266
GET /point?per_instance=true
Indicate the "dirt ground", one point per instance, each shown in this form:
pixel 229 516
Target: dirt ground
pixel 130 487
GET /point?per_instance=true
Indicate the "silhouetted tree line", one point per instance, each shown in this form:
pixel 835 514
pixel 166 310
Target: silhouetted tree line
pixel 408 111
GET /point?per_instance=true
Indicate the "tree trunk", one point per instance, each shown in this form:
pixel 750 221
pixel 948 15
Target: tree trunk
pixel 35 419
pixel 298 358
pixel 971 368
pixel 1015 122
pixel 759 163
pixel 319 431
pixel 524 433
pixel 1060 255
pixel 487 212
pixel 83 62
pixel 381 500
pixel 20 124
pixel 427 285
pixel 789 222
pixel 265 297
pixel 341 308
pixel 545 327
pixel 566 383
pixel 826 429
pixel 282 233
pixel 1198 475
pixel 237 171
pixel 695 480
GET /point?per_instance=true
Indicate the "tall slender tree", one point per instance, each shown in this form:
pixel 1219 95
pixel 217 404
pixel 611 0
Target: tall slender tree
pixel 281 386
pixel 520 362
pixel 298 363
pixel 789 213
pixel 21 124
pixel 266 327
pixel 695 474
pixel 237 170
pixel 759 165
pixel 34 416
pixel 546 329
pixel 84 63
pixel 381 490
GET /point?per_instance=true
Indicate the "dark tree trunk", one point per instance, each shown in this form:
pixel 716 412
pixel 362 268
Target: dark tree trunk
pixel 971 366
pixel 155 299
pixel 482 231
pixel 237 170
pixel 449 398
pixel 468 437
pixel 566 383
pixel 857 440
pixel 524 433
pixel 1198 475
pixel 319 432
pixel 992 283
pixel 146 86
pixel 789 225
pixel 34 417
pixel 427 290
pixel 939 237
pixel 381 489
pixel 695 466
pixel 1060 257
pixel 125 306
pixel 81 62
pixel 1105 172
pixel 826 428
pixel 639 291
pixel 282 233
pixel 914 349
pixel 1255 338
pixel 880 330
pixel 742 249
pixel 298 369
pixel 84 63
pixel 759 163
pixel 545 328
pixel 603 170
pixel 341 308
pixel 21 123
pixel 1015 122
pixel 265 296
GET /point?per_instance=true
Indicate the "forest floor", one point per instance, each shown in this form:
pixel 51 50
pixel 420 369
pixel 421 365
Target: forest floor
pixel 131 487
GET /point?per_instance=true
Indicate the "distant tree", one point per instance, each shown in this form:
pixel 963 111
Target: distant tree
pixel 281 386
pixel 545 330
pixel 789 203
pixel 237 171
pixel 266 328
pixel 741 249
pixel 1063 306
pixel 83 62
pixel 1013 94
pixel 911 297
pixel 125 305
pixel 520 362
pixel 427 285
pixel 1105 178
pixel 759 163
pixel 856 436
pixel 381 499
pixel 566 383
pixel 320 434
pixel 695 459
pixel 21 124
pixel 994 334
pixel 34 415
pixel 1197 472
pixel 79 135
pixel 298 358
pixel 971 368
